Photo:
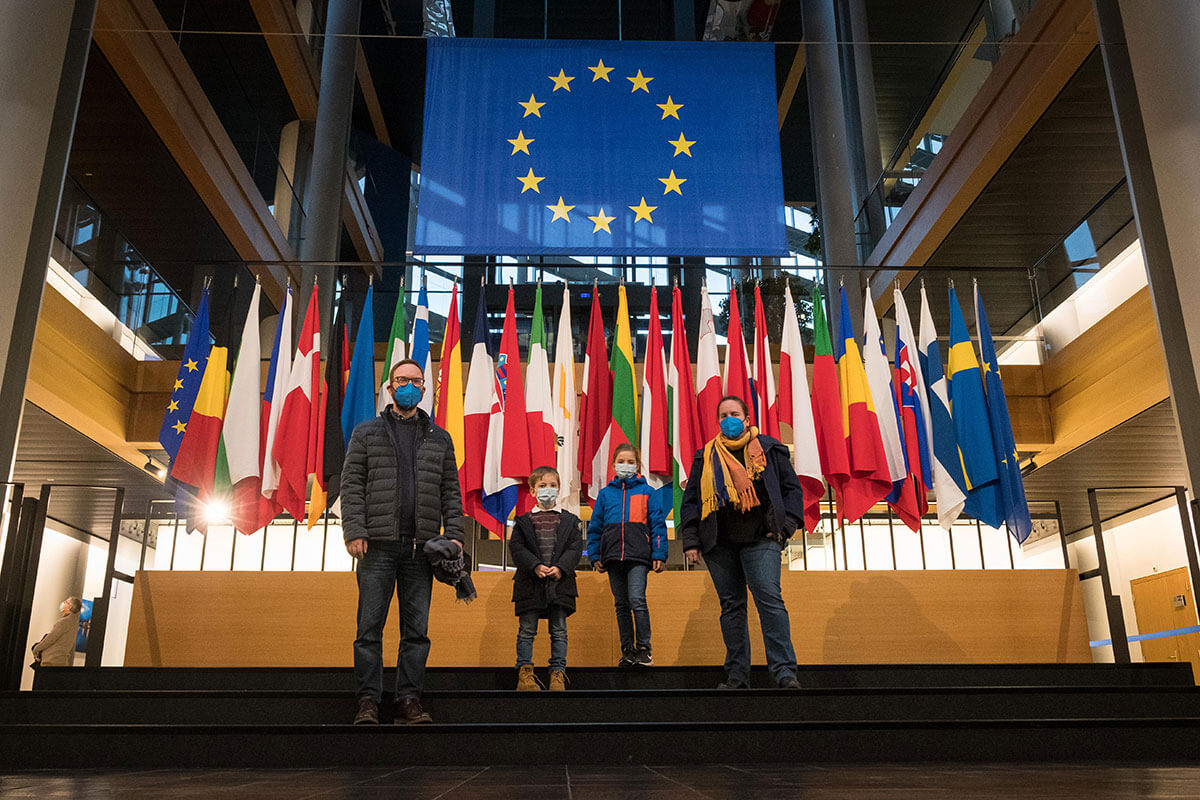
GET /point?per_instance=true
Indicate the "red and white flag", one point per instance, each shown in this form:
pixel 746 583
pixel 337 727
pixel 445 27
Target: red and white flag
pixel 708 371
pixel 795 410
pixel 764 378
pixel 242 426
pixel 655 441
pixel 272 407
pixel 478 398
pixel 595 408
pixel 295 446
pixel 686 438
pixel 506 463
pixel 737 365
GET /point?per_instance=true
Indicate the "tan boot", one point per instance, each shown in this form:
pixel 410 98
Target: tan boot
pixel 558 681
pixel 525 680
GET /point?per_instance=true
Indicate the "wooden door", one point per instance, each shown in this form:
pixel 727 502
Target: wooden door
pixel 1163 602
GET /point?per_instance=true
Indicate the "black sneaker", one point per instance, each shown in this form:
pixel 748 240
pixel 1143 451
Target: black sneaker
pixel 733 683
pixel 642 659
pixel 628 659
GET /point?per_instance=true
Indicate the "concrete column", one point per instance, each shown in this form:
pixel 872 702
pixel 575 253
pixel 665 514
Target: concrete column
pixel 327 176
pixel 1153 70
pixel 43 53
pixel 832 156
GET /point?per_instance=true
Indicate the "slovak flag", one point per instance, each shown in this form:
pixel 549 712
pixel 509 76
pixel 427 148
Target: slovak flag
pixel 912 501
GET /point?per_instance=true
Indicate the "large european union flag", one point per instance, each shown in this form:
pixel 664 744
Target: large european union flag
pixel 596 148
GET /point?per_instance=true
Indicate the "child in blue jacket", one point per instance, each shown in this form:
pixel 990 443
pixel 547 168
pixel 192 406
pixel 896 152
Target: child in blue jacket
pixel 627 537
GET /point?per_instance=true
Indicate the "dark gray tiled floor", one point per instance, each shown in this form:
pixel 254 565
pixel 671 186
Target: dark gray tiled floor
pixel 717 782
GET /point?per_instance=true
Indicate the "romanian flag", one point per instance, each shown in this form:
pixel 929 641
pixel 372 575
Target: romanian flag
pixel 968 407
pixel 870 481
pixel 827 409
pixel 624 428
pixel 196 462
pixel 450 388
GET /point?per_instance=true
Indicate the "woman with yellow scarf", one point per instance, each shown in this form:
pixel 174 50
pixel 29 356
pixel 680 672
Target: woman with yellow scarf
pixel 742 502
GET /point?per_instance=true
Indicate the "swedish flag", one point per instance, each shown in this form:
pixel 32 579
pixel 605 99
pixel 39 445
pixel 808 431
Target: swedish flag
pixel 589 148
pixel 1013 506
pixel 968 407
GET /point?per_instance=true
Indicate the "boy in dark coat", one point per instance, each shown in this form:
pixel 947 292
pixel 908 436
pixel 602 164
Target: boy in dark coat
pixel 545 546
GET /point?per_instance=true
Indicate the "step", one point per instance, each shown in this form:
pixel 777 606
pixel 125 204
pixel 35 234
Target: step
pixel 460 678
pixel 286 707
pixel 1157 741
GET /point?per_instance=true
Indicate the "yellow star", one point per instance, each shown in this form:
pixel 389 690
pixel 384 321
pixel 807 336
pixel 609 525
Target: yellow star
pixel 521 144
pixel 640 82
pixel 191 365
pixel 180 427
pixel 561 210
pixel 531 181
pixel 601 222
pixel 670 109
pixel 600 72
pixel 531 107
pixel 673 184
pixel 682 145
pixel 178 385
pixel 643 211
pixel 174 406
pixel 562 81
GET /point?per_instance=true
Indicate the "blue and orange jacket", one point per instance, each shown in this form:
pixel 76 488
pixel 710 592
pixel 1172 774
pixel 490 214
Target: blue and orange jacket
pixel 628 524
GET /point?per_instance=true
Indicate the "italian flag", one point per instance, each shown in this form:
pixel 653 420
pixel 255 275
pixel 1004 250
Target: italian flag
pixel 397 348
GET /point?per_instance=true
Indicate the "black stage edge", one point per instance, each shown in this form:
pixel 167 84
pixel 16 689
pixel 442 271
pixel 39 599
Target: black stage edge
pixel 281 718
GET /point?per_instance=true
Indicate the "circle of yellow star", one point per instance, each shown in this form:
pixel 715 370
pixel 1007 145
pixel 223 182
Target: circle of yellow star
pixel 600 72
pixel 521 144
pixel 178 385
pixel 673 184
pixel 561 210
pixel 682 145
pixel 640 82
pixel 191 365
pixel 531 106
pixel 601 222
pixel 180 427
pixel 561 81
pixel 642 210
pixel 531 181
pixel 174 406
pixel 670 109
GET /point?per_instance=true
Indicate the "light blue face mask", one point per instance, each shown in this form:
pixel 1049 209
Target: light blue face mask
pixel 547 495
pixel 732 427
pixel 407 396
pixel 625 471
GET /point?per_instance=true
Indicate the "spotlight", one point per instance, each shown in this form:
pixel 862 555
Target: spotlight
pixel 155 470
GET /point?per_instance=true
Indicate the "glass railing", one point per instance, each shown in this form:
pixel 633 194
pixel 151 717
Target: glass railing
pixel 108 267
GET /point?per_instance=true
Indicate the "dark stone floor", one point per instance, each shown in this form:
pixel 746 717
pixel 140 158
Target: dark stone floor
pixel 757 782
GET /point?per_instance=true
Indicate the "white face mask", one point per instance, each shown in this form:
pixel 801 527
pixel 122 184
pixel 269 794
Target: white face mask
pixel 625 470
pixel 547 495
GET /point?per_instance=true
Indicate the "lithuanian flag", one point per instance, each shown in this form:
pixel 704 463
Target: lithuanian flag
pixel 870 481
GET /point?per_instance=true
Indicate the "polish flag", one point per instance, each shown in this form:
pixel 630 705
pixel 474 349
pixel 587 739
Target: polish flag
pixel 595 408
pixel 708 371
pixel 764 378
pixel 796 411
pixel 295 446
pixel 737 366
pixel 243 420
pixel 272 407
pixel 655 442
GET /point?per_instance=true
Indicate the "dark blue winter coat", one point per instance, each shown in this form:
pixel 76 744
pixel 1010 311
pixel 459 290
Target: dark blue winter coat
pixel 628 524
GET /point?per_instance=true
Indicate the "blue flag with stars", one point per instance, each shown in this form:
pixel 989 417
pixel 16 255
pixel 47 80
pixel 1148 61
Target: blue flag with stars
pixel 596 148
pixel 187 382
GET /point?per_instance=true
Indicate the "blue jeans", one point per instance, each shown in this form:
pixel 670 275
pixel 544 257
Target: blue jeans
pixel 756 565
pixel 527 626
pixel 401 567
pixel 628 583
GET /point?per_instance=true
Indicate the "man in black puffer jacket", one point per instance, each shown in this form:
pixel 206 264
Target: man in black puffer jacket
pixel 399 490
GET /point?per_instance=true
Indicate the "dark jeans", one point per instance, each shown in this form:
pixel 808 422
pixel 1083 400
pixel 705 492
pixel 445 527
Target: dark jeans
pixel 757 565
pixel 527 626
pixel 628 583
pixel 392 566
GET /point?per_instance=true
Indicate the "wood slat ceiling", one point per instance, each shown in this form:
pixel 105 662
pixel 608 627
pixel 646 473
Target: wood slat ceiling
pixel 50 451
pixel 1143 451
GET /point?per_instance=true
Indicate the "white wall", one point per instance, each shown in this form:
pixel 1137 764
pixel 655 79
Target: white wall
pixel 62 569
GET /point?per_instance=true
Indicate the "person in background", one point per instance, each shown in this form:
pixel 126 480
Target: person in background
pixel 627 537
pixel 742 502
pixel 57 648
pixel 399 491
pixel 545 546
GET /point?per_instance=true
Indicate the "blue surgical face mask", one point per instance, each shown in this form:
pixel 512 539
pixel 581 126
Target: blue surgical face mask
pixel 625 470
pixel 547 495
pixel 732 427
pixel 407 396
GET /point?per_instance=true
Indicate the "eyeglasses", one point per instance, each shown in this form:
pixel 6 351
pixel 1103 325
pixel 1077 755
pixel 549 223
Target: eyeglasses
pixel 418 382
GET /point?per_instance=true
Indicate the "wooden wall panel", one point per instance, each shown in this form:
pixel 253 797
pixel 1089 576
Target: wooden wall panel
pixel 307 619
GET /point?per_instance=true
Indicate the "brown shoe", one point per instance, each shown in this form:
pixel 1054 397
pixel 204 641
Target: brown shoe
pixel 558 680
pixel 409 712
pixel 526 682
pixel 368 712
